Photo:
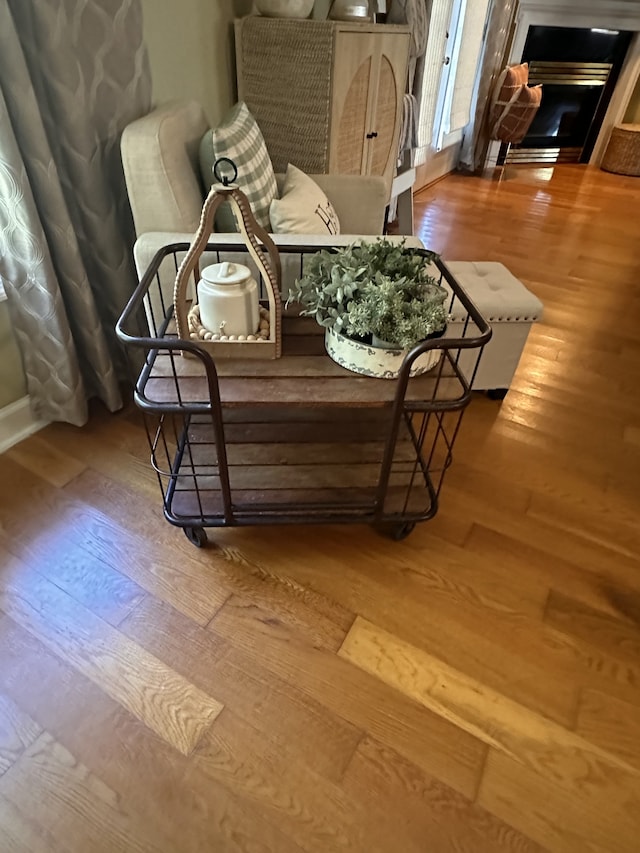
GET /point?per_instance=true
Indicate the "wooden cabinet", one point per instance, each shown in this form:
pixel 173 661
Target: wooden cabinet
pixel 327 95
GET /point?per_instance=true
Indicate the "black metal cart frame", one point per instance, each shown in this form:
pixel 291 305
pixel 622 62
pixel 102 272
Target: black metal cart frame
pixel 223 460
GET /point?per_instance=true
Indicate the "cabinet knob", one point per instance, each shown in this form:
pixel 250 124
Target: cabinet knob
pixel 371 135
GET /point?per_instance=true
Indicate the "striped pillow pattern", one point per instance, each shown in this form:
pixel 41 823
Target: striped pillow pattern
pixel 238 137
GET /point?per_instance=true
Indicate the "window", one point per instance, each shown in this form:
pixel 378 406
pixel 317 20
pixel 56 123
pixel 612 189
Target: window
pixel 456 34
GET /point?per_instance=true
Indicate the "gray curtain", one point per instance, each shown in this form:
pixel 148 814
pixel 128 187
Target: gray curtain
pixel 73 74
pixel 497 44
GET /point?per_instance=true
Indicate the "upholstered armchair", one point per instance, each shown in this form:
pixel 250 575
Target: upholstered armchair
pixel 160 160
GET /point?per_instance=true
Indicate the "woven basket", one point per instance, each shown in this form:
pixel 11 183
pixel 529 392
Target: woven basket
pixel 623 151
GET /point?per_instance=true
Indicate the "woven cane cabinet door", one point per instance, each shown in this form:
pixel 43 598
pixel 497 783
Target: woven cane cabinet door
pixel 369 80
pixel 327 96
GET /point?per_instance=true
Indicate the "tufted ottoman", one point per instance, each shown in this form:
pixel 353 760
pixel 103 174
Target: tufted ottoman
pixel 508 307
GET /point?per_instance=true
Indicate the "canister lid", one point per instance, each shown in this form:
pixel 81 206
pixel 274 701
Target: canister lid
pixel 225 273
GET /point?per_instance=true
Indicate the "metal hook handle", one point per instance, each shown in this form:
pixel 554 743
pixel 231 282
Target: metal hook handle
pixel 224 179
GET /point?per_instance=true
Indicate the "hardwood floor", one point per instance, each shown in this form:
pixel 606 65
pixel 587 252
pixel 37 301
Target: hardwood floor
pixel 475 687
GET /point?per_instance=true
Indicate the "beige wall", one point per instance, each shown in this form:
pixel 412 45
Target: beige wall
pixel 190 44
pixel 12 381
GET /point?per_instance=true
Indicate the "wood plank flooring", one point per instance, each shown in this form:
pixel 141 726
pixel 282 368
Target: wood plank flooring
pixel 475 687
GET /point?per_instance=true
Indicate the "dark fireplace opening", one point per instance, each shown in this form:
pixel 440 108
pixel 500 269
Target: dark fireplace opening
pixel 578 69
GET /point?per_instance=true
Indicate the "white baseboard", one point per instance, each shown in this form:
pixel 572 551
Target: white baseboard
pixel 17 422
pixel 437 166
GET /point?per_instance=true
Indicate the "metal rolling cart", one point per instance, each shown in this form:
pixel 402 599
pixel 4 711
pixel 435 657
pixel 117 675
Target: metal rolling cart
pixel 297 439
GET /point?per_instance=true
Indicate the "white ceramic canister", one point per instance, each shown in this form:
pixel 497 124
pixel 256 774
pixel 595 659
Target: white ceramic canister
pixel 228 300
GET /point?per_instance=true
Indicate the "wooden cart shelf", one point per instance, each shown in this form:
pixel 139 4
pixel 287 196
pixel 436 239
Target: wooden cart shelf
pixel 303 376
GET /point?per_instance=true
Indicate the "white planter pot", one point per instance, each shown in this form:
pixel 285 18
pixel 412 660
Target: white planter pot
pixel 374 361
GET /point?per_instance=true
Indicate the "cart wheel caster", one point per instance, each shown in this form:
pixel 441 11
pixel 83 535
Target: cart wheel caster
pixel 401 531
pixel 497 393
pixel 196 535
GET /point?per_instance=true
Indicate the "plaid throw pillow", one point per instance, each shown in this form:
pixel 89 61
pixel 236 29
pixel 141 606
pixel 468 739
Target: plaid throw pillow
pixel 506 89
pixel 514 105
pixel 515 123
pixel 239 138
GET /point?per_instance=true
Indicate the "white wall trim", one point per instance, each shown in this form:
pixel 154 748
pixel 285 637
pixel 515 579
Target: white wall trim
pixel 437 166
pixel 620 99
pixel 17 422
pixel 621 14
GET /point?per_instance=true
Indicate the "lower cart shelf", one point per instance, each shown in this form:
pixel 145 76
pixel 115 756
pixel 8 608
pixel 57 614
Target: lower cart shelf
pixel 315 468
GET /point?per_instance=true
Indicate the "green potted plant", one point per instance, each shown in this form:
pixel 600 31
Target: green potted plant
pixel 376 301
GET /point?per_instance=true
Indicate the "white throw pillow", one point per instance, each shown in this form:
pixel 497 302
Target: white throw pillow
pixel 303 207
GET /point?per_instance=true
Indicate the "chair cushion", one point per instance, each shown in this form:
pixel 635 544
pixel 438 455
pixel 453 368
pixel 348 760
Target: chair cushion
pixel 303 207
pixel 238 137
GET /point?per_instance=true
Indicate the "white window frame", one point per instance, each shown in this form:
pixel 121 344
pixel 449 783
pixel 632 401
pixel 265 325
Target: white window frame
pixel 442 121
pixel 446 80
